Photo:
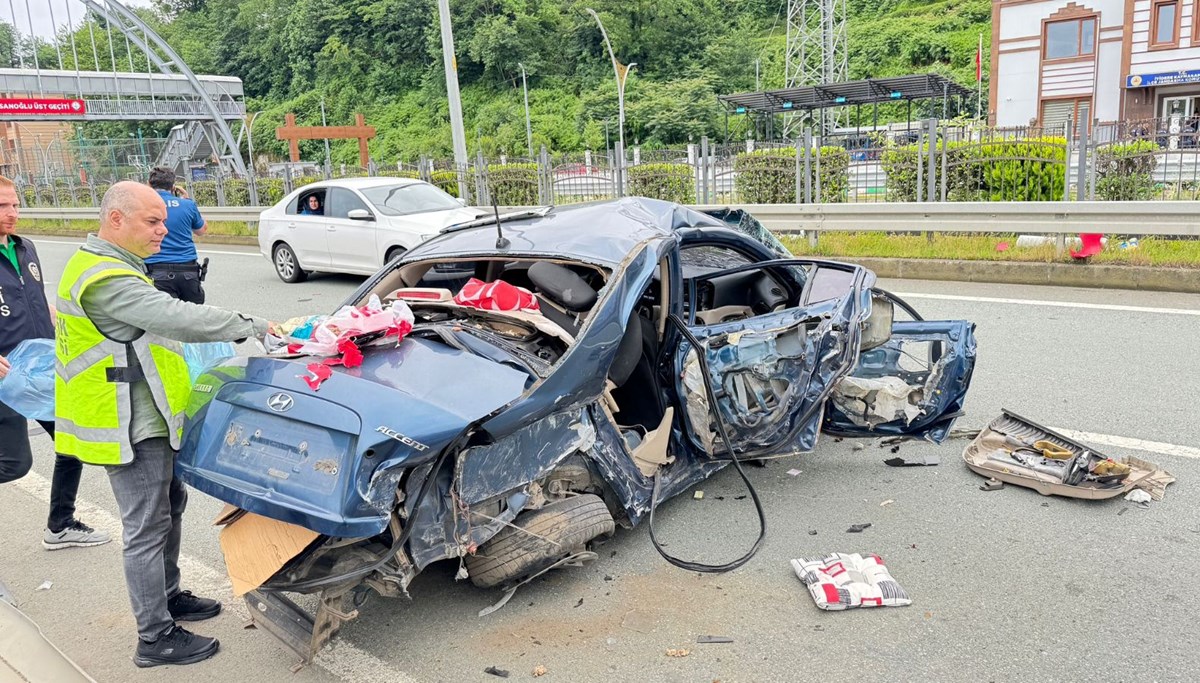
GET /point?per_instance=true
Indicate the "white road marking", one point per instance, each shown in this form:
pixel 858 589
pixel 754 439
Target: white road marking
pixel 202 251
pixel 342 659
pixel 1042 302
pixel 1133 444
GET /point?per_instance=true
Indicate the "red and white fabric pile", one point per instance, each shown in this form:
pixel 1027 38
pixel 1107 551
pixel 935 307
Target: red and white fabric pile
pixel 840 581
pixel 496 296
pixel 338 336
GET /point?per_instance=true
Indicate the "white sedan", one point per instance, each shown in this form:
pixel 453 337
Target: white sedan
pixel 354 225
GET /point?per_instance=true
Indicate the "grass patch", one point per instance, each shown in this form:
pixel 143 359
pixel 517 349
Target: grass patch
pixel 1151 251
pixel 43 226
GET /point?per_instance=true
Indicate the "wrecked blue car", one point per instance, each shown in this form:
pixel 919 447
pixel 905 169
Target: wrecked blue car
pixel 669 343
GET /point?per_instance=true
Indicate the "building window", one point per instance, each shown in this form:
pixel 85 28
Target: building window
pixel 1164 23
pixel 1072 38
pixel 1066 115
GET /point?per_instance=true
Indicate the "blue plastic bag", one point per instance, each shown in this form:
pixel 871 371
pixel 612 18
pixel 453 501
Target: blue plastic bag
pixel 203 357
pixel 29 386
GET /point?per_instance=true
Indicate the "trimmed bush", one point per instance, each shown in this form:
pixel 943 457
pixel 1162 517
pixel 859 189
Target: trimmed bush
pixel 447 180
pixel 237 192
pixel 396 173
pixel 768 176
pixel 203 192
pixel 1125 172
pixel 668 182
pixel 270 190
pixel 1032 169
pixel 513 184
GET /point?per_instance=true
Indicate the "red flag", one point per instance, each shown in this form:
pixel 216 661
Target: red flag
pixel 979 60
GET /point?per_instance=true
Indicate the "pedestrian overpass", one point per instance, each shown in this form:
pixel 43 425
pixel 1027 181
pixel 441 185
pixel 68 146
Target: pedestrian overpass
pixel 167 90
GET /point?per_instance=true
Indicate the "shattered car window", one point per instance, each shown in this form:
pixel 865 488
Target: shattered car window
pixel 704 259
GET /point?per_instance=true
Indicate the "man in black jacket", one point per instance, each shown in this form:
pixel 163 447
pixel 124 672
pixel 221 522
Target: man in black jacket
pixel 26 314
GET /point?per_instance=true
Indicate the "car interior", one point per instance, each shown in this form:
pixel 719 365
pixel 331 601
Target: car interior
pixel 298 206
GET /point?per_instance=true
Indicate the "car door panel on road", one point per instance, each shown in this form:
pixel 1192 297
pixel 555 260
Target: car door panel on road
pixel 351 241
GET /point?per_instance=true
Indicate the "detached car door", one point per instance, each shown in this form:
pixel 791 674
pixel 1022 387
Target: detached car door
pixel 352 240
pixel 914 383
pixel 771 353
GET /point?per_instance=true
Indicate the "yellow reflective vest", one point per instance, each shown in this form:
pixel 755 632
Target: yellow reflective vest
pixel 93 374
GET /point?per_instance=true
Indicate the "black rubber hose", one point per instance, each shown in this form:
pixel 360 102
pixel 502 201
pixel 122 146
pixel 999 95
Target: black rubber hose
pixel 762 518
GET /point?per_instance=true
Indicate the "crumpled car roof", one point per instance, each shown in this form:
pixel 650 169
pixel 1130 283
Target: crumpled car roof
pixel 603 233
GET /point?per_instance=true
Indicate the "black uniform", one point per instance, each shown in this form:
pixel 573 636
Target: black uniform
pixel 25 314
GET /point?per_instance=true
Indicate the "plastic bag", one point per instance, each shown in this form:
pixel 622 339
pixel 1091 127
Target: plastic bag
pixel 29 386
pixel 202 357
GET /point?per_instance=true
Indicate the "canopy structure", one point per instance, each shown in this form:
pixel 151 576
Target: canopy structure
pixel 872 91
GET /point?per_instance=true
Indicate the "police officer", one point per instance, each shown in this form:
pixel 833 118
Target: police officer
pixel 25 314
pixel 174 268
pixel 121 389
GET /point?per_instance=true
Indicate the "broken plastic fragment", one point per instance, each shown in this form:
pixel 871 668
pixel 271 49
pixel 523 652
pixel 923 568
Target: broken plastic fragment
pixel 496 672
pixel 45 585
pixel 698 495
pixel 714 639
pixel 678 652
pixel 992 485
pixel 913 461
pixel 858 528
pixel 794 473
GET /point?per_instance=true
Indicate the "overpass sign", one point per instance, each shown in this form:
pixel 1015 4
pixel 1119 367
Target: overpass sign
pixel 41 106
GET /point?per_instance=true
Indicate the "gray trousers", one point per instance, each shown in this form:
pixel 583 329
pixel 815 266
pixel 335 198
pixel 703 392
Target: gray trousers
pixel 151 501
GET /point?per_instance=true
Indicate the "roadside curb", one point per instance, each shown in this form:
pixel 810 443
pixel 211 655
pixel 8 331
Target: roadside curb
pixel 1186 280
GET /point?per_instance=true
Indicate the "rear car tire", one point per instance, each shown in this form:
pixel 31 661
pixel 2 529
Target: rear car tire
pixel 287 266
pixel 392 254
pixel 512 553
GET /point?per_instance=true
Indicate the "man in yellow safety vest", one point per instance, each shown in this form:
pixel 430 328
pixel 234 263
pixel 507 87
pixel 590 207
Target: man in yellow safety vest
pixel 120 392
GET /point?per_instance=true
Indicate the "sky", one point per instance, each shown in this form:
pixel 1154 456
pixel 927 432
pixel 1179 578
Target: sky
pixel 41 11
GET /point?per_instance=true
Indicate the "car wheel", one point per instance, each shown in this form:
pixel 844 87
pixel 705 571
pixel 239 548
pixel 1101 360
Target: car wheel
pixel 287 267
pixel 392 254
pixel 539 538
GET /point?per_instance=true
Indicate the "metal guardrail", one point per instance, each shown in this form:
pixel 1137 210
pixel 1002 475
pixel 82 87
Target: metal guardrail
pixel 1179 218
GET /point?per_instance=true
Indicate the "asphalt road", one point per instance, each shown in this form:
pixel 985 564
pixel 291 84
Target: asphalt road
pixel 1007 585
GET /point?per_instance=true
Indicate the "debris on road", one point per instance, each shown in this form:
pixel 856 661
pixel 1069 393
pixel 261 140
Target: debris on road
pixel 913 461
pixel 714 639
pixel 1138 496
pixel 540 670
pixel 1121 511
pixel 858 528
pixel 496 672
pixel 992 485
pixel 1019 451
pixel 45 585
pixel 794 473
pixel 812 532
pixel 841 581
pixel 678 652
pixel 699 495
pixel 580 603
pixel 886 503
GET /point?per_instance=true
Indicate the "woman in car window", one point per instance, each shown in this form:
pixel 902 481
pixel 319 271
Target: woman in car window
pixel 312 207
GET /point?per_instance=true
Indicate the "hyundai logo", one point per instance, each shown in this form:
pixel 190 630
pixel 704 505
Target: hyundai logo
pixel 281 402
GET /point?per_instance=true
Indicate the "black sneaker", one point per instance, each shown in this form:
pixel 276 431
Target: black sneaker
pixel 176 646
pixel 187 607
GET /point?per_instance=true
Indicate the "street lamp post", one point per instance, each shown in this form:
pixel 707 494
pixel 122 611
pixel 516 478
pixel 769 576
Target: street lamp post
pixel 621 74
pixel 528 127
pixel 457 133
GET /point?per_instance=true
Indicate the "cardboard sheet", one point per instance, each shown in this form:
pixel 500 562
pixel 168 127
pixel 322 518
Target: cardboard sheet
pixel 256 547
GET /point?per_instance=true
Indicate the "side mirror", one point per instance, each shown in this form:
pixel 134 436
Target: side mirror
pixel 360 215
